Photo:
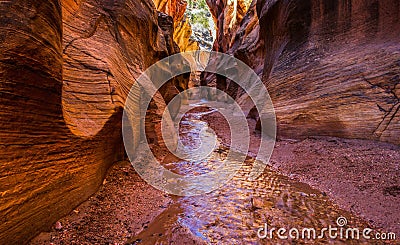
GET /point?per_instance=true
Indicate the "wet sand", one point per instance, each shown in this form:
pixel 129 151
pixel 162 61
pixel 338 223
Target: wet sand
pixel 352 178
pixel 123 206
pixel 361 176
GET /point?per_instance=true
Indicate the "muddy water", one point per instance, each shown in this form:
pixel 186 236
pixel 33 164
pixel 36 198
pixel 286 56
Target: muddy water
pixel 234 213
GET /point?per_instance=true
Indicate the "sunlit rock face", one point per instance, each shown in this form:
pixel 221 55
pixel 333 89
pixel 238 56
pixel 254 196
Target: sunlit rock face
pixel 333 67
pixel 66 68
pixel 105 48
pixel 182 36
pixel 228 16
pixel 182 28
pixel 246 43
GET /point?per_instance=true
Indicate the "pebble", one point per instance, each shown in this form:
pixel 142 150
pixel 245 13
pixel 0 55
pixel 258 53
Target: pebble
pixel 303 194
pixel 256 202
pixel 58 226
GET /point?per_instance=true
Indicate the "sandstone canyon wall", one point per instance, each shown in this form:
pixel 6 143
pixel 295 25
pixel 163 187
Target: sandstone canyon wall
pixel 332 67
pixel 182 28
pixel 66 68
pixel 238 35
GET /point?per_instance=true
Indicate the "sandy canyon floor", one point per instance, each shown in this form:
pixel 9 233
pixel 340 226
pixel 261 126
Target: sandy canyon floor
pixel 307 183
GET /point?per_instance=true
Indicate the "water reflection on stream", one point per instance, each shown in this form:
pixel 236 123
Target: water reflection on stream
pixel 234 213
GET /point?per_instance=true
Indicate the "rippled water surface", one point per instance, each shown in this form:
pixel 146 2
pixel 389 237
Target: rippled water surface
pixel 234 213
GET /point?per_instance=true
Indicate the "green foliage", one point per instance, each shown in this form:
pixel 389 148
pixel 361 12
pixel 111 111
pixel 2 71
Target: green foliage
pixel 200 19
pixel 198 13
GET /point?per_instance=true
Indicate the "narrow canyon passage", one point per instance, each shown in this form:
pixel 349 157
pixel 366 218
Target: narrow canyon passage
pixel 317 81
pixel 234 213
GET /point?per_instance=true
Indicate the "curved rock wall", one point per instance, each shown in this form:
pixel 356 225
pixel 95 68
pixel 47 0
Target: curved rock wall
pixel 104 51
pixel 331 66
pixel 66 68
pixel 182 28
pixel 238 35
pixel 228 16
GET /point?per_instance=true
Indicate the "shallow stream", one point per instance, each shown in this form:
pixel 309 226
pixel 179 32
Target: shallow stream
pixel 235 213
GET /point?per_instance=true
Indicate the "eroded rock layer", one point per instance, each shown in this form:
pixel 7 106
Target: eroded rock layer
pixel 182 29
pixel 238 35
pixel 331 66
pixel 66 68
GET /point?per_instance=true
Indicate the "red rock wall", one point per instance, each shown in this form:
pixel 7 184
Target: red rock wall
pixel 331 66
pixel 228 16
pixel 174 8
pixel 246 44
pixel 65 70
pixel 238 35
pixel 182 29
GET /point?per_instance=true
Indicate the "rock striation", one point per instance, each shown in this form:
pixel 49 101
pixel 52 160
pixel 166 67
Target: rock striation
pixel 182 29
pixel 66 68
pixel 331 67
pixel 238 35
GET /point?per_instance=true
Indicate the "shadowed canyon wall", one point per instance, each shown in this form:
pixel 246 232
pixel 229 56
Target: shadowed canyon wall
pixel 238 35
pixel 332 67
pixel 66 68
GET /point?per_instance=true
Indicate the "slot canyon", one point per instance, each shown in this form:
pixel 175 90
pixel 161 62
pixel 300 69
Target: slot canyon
pixel 67 69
